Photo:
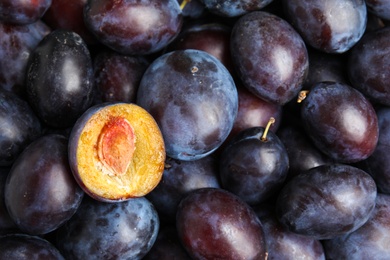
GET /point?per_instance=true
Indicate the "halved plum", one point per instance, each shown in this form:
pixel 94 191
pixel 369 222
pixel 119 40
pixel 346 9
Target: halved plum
pixel 116 152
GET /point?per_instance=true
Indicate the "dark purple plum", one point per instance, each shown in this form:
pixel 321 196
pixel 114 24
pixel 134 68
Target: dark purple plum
pixel 60 83
pixel 332 26
pixel 134 27
pixel 213 223
pixel 194 100
pixel 167 246
pixel 270 57
pixel 41 193
pixel 23 247
pixel 254 165
pixel 23 11
pixel 7 225
pixel 378 164
pixel 370 241
pixel 302 153
pixel 179 179
pixel 327 201
pixel 234 8
pixel 16 44
pixel 365 66
pixel 69 15
pixel 211 37
pixel 254 111
pixel 380 8
pixel 341 121
pixel 117 76
pixel 283 244
pixel 19 126
pixel 101 230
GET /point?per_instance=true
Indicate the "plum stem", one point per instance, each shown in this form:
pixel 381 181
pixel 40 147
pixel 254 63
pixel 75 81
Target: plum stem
pixel 271 121
pixel 302 95
pixel 184 3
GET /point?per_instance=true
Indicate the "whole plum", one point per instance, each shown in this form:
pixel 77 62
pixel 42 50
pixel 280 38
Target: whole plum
pixel 41 193
pixel 333 26
pixel 378 164
pixel 17 42
pixel 327 201
pixel 117 76
pixel 341 121
pixel 23 11
pixel 254 165
pixel 370 241
pixel 134 27
pixel 278 60
pixel 213 223
pixel 101 230
pixel 59 79
pixel 7 225
pixel 19 126
pixel 283 244
pixel 365 65
pixel 194 100
pixel 27 247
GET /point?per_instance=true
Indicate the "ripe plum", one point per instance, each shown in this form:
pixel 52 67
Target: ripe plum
pixel 254 111
pixel 7 225
pixel 341 121
pixel 270 57
pixel 366 64
pixel 213 38
pixel 60 78
pixel 378 164
pixel 23 11
pixel 213 223
pixel 69 15
pixel 19 126
pixel 23 246
pixel 283 244
pixel 370 241
pixel 117 76
pixel 134 27
pixel 194 100
pixel 332 26
pixel 16 44
pixel 41 193
pixel 254 165
pixel 380 8
pixel 327 201
pixel 100 230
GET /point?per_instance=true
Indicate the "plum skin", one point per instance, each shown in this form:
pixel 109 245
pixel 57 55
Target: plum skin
pixel 41 193
pixel 327 201
pixel 99 230
pixel 194 100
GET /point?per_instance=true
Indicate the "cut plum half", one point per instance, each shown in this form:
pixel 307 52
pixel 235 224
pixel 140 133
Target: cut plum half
pixel 116 152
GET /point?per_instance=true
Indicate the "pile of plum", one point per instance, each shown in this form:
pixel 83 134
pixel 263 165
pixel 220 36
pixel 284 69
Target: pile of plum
pixel 194 129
